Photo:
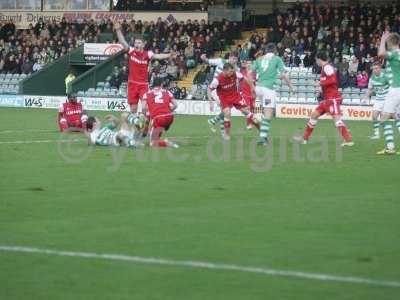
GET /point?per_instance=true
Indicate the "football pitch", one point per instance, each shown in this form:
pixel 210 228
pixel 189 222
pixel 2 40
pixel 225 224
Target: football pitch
pixel 205 221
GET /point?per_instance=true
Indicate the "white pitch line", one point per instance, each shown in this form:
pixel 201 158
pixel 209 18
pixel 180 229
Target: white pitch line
pixel 205 265
pixel 40 141
pixel 27 130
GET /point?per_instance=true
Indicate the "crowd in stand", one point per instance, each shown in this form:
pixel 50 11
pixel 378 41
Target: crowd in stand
pixel 350 34
pixel 182 5
pixel 26 51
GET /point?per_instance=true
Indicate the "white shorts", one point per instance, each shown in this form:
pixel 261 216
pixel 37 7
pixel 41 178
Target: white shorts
pixel 378 105
pixel 266 96
pixel 215 97
pixel 392 101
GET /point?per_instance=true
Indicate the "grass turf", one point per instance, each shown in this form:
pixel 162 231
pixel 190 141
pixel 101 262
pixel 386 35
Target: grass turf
pixel 247 207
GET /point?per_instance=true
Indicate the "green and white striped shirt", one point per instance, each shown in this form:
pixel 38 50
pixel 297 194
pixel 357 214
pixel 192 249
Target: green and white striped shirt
pixel 105 136
pixel 393 67
pixel 379 85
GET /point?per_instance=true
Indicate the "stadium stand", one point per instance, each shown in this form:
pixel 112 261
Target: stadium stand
pixel 350 33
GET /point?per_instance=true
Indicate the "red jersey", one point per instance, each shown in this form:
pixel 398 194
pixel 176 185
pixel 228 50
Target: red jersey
pixel 72 112
pixel 227 87
pixel 329 83
pixel 158 102
pixel 244 86
pixel 139 65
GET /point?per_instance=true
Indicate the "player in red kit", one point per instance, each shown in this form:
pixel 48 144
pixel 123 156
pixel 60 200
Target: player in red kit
pixel 138 83
pixel 160 106
pixel 247 92
pixel 226 85
pixel 71 116
pixel 330 103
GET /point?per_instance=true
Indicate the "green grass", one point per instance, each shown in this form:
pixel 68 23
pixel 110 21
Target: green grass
pixel 339 216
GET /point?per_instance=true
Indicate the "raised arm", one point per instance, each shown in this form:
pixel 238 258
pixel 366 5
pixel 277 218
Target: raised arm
pixel 211 61
pixel 161 56
pixel 121 38
pixel 382 46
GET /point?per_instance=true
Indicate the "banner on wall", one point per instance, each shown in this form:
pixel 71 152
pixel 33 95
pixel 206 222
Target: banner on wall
pixel 22 19
pixel 97 52
pixel 185 107
pixel 299 111
pixel 11 101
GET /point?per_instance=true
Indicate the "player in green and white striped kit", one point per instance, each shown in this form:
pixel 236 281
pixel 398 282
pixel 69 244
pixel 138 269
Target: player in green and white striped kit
pixel 116 132
pixel 269 68
pixel 390 49
pixel 378 85
pixel 219 65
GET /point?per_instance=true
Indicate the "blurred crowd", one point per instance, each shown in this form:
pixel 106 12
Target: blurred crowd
pixel 26 51
pixel 349 33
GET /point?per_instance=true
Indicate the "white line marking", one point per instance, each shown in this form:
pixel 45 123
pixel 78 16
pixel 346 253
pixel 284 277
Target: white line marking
pixel 41 141
pixel 205 265
pixel 28 130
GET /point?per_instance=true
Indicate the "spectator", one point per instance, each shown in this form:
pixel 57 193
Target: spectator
pixel 362 79
pixel 172 70
pixel 344 80
pixel 175 90
pixel 27 66
pixel 353 65
pixel 183 94
pixel 183 65
pixel 10 64
pixel 70 77
pixel 343 66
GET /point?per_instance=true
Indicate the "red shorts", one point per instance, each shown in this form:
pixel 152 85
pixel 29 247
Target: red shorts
pixel 237 102
pixel 330 106
pixel 164 121
pixel 75 124
pixel 136 92
pixel 249 100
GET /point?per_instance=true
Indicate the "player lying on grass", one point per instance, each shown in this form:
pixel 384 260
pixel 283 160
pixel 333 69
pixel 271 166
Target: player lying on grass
pixel 378 85
pixel 219 63
pixel 389 49
pixel 116 132
pixel 269 68
pixel 71 116
pixel 330 104
pixel 160 105
pixel 226 85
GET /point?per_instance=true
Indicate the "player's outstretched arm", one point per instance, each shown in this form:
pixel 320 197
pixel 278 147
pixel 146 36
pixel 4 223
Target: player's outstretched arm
pixel 211 61
pixel 285 77
pixel 382 46
pixel 162 56
pixel 121 38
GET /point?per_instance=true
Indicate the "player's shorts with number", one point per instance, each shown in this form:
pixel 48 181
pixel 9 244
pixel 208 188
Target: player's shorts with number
pixel 392 101
pixel 236 102
pixel 163 121
pixel 330 106
pixel 266 96
pixel 136 91
pixel 378 105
